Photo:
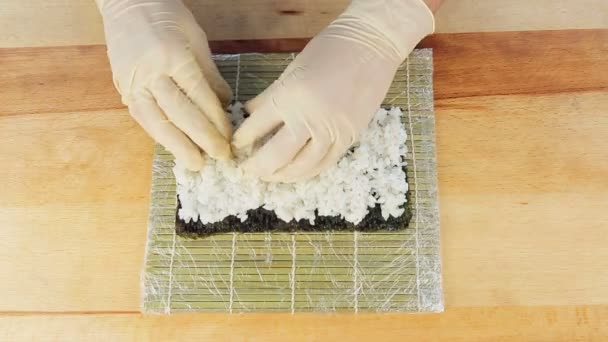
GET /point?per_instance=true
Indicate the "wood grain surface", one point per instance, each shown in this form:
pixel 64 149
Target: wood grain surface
pixel 77 22
pixel 522 162
pixel 571 323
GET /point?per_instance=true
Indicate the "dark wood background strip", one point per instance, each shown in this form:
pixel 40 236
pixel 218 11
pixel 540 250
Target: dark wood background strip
pixel 78 78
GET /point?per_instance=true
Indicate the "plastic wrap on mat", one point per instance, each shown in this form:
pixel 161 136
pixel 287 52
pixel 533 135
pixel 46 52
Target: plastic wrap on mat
pixel 382 271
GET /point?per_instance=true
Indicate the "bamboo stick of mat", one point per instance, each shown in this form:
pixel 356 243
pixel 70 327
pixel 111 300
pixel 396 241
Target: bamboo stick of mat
pixel 383 271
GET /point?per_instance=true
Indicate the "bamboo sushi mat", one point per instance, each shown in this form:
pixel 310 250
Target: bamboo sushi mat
pixel 390 271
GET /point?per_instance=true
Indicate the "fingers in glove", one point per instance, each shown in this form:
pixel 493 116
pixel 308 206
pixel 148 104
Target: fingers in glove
pixel 256 103
pixel 277 152
pixel 336 151
pixel 263 120
pixel 151 118
pixel 187 117
pixel 305 162
pixel 193 83
pixel 200 48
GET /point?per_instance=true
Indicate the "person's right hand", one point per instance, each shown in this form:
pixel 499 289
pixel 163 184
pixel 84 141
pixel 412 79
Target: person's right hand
pixel 163 69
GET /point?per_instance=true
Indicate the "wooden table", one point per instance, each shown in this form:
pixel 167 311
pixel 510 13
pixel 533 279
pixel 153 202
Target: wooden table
pixel 522 130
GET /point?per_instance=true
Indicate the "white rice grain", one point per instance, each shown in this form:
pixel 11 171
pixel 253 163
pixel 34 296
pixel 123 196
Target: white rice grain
pixel 371 173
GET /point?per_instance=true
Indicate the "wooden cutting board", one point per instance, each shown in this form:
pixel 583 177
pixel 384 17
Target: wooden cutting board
pixel 522 121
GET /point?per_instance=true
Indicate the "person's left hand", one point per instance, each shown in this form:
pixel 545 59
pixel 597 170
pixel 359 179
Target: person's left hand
pixel 330 92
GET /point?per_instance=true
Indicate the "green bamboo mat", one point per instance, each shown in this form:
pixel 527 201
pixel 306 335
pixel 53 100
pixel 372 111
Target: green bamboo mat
pixel 390 271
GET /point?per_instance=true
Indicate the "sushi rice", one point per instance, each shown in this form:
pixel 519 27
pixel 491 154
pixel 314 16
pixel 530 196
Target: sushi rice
pixel 371 173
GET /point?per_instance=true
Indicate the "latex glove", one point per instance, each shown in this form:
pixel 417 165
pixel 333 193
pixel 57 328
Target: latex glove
pixel 330 92
pixel 163 69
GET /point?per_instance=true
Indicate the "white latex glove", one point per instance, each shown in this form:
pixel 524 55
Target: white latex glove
pixel 163 69
pixel 330 92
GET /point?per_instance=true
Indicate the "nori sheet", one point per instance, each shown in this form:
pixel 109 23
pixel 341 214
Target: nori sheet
pixel 262 220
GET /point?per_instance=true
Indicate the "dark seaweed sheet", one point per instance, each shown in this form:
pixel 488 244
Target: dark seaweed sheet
pixel 262 220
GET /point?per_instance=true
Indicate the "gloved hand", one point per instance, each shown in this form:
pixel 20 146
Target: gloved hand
pixel 163 69
pixel 330 92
